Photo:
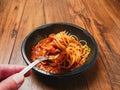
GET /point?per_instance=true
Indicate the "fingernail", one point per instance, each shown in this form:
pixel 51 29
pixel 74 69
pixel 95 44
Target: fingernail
pixel 18 78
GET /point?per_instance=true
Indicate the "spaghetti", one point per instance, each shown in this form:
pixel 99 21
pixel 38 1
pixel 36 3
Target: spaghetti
pixel 70 52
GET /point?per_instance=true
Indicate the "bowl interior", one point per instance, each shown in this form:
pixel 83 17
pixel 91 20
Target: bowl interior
pixel 43 31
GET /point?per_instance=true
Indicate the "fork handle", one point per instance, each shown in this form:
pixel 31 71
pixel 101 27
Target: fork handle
pixel 25 70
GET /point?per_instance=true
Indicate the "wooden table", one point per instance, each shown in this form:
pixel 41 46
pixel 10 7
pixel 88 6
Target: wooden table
pixel 100 17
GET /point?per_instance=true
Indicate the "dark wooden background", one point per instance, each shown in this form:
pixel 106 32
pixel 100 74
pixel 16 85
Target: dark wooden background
pixel 100 17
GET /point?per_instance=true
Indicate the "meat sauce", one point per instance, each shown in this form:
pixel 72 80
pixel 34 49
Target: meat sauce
pixel 46 47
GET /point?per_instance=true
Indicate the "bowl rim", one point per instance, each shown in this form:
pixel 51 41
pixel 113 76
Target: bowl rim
pixel 74 72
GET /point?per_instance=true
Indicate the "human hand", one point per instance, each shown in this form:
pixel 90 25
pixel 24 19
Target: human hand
pixel 10 79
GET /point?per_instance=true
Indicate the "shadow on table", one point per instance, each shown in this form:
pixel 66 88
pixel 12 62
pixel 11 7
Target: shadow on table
pixel 74 83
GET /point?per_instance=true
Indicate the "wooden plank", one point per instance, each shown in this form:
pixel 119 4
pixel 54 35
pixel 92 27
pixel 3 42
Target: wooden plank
pixel 107 34
pixel 10 17
pixel 62 11
pixel 33 16
pixel 113 9
pixel 30 20
pixel 92 75
pixel 4 10
pixel 56 11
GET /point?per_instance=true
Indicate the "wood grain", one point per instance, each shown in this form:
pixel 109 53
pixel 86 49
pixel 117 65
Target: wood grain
pixel 100 17
pixel 32 17
pixel 9 27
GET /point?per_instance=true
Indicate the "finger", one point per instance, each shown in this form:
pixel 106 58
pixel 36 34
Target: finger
pixel 12 83
pixel 8 70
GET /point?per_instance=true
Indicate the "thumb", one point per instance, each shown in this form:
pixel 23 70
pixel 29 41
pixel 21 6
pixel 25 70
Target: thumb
pixel 12 83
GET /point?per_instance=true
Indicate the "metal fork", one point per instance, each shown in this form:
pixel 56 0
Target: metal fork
pixel 69 34
pixel 25 70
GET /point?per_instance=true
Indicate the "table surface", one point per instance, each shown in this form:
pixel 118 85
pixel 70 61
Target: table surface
pixel 100 17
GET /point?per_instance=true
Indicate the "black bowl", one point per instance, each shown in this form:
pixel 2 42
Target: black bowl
pixel 44 30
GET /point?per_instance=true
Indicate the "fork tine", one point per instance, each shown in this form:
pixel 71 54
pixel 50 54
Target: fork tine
pixel 25 70
pixel 65 32
pixel 69 34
